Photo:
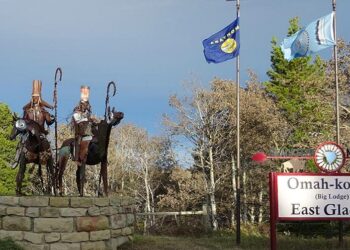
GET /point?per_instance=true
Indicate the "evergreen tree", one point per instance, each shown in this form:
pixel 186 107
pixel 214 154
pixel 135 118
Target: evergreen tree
pixel 344 91
pixel 301 92
pixel 7 152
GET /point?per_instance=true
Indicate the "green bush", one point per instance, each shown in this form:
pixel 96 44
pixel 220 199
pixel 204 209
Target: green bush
pixel 8 244
pixel 7 152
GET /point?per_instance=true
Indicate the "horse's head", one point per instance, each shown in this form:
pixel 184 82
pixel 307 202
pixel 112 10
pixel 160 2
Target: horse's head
pixel 117 117
pixel 19 126
pixel 114 117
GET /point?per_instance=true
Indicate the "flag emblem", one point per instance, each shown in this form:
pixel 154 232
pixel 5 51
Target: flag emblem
pixel 300 46
pixel 229 45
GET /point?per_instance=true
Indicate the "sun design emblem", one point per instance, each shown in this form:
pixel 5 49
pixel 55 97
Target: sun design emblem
pixel 329 157
pixel 229 45
pixel 300 46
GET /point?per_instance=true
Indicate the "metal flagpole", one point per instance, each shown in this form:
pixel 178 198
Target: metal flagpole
pixel 335 54
pixel 238 183
pixel 238 193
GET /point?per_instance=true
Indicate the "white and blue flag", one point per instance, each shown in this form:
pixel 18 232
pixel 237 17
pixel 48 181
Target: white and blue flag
pixel 317 36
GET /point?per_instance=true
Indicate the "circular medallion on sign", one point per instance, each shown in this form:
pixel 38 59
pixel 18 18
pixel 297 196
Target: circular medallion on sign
pixel 329 157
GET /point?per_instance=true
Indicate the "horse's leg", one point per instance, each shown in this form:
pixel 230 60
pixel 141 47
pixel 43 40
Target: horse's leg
pixel 84 147
pixel 104 176
pixel 77 177
pixel 98 192
pixel 62 163
pixel 20 174
pixel 50 176
pixel 40 174
pixel 82 178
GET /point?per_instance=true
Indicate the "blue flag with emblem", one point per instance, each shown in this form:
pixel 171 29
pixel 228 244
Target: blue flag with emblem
pixel 223 45
pixel 317 36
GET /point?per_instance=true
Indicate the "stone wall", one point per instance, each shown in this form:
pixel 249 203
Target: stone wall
pixel 77 223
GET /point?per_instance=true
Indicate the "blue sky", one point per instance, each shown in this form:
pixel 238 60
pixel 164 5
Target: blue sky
pixel 148 47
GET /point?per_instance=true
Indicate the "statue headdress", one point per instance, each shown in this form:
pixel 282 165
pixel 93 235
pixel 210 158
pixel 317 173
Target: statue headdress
pixel 36 91
pixel 84 93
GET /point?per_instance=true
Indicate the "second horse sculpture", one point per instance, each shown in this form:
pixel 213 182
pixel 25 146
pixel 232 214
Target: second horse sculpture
pixel 97 150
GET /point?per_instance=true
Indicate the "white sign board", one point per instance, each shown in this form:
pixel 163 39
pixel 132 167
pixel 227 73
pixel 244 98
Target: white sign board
pixel 313 196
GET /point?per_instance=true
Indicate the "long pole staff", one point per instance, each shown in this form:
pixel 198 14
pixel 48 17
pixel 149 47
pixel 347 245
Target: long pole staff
pixel 238 183
pixel 107 110
pixel 335 54
pixel 111 83
pixel 57 73
pixel 238 193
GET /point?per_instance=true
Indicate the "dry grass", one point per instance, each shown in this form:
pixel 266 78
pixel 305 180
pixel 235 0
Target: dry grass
pixel 225 241
pixel 178 243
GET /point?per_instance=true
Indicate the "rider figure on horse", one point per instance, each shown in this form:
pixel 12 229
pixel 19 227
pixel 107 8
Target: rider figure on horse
pixel 35 111
pixel 83 125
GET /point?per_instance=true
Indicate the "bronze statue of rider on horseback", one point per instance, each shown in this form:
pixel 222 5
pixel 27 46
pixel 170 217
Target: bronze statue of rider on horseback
pixel 83 125
pixel 89 145
pixel 36 111
pixel 33 146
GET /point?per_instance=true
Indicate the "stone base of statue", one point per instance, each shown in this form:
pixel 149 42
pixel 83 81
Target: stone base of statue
pixel 40 222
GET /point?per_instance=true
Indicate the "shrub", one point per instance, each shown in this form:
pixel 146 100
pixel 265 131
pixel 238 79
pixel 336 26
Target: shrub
pixel 8 244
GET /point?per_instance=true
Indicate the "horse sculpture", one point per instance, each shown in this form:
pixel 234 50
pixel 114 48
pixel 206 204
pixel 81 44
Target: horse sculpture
pixel 97 153
pixel 97 150
pixel 33 148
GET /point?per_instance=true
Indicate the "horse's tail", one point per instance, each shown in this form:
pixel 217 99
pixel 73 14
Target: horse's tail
pixel 66 148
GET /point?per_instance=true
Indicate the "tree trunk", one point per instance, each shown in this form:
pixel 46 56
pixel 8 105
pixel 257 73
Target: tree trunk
pixel 122 178
pixel 252 213
pixel 153 219
pixel 233 178
pixel 260 203
pixel 212 191
pixel 245 207
pixel 148 201
pixel 203 169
